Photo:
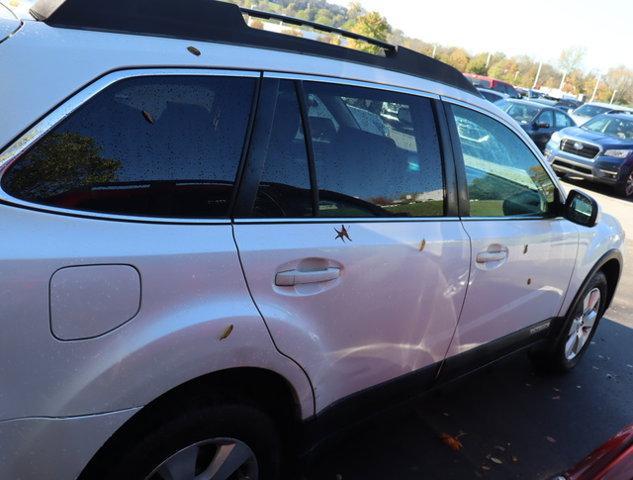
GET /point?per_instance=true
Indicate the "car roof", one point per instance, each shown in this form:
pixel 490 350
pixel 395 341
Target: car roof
pixel 216 21
pixel 609 106
pixel 531 103
pixel 621 116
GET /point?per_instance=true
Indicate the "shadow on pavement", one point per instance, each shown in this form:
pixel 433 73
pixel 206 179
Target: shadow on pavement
pixel 596 188
pixel 503 416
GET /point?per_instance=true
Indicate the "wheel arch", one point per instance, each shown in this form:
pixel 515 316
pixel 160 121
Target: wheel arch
pixel 266 389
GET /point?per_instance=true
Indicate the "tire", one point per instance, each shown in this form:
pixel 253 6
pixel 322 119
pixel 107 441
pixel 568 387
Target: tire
pixel 625 187
pixel 558 357
pixel 196 438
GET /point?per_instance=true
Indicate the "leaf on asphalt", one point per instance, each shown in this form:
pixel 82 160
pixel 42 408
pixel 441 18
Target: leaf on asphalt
pixel 515 459
pixel 557 389
pixel 446 414
pixel 595 368
pixel 496 460
pixel 528 384
pixel 550 439
pixel 452 442
pixel 485 467
pixel 499 447
pixel 578 386
pixel 557 397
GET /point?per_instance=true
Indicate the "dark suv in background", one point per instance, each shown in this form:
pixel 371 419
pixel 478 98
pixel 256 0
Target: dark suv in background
pixel 600 150
pixel 481 81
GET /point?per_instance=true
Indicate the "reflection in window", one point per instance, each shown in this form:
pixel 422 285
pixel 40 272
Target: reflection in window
pixel 376 153
pixel 156 146
pixel 504 177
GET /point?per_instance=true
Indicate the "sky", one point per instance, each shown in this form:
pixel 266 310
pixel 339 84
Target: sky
pixel 539 28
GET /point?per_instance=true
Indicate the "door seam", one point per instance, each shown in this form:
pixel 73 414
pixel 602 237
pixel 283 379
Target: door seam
pixel 250 294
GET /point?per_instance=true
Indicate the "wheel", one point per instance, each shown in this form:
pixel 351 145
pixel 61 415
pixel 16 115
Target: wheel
pixel 625 187
pixel 578 330
pixel 218 442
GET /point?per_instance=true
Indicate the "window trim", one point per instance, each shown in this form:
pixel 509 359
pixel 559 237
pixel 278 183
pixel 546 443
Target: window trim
pixel 446 154
pixel 464 199
pixel 62 111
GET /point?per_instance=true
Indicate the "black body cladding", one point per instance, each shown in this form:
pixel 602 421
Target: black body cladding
pixel 215 21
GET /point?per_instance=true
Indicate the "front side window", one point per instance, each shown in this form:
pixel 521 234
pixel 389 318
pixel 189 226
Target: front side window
pixel 376 153
pixel 612 126
pixel 152 146
pixel 546 118
pixel 504 177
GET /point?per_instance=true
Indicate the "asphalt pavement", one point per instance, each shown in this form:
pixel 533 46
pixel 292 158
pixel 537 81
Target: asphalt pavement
pixel 511 423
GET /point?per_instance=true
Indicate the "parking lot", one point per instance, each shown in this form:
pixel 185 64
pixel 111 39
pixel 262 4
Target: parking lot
pixel 512 423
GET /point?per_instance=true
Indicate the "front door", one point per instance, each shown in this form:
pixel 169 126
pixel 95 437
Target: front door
pixel 347 251
pixel 523 255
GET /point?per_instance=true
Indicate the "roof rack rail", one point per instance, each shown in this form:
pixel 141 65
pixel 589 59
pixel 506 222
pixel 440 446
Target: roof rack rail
pixel 387 47
pixel 217 21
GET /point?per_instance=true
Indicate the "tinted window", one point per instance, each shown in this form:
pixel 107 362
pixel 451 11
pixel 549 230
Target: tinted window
pixel 504 177
pixel 546 117
pixel 284 190
pixel 156 146
pixel 376 153
pixel 563 120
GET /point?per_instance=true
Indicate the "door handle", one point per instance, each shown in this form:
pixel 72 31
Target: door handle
pixel 298 277
pixel 489 257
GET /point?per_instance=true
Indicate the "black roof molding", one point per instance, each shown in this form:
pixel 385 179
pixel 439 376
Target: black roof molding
pixel 216 21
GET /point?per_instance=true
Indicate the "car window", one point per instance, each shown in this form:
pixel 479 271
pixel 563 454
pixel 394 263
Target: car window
pixel 562 120
pixel 284 189
pixel 503 175
pixel 382 160
pixel 523 113
pixel 149 146
pixel 547 117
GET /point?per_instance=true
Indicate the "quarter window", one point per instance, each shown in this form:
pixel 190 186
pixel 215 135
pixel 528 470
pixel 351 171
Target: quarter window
pixel 504 177
pixel 152 146
pixel 376 153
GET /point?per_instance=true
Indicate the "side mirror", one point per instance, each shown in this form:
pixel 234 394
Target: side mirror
pixel 580 208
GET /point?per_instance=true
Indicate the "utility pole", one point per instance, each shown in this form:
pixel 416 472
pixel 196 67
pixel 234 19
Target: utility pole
pixel 434 50
pixel 488 60
pixel 562 81
pixel 613 96
pixel 538 73
pixel 595 89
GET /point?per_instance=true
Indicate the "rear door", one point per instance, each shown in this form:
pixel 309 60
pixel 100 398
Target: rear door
pixel 523 254
pixel 346 243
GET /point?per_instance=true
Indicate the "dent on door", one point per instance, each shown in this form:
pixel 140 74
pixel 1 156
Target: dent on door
pixel 360 312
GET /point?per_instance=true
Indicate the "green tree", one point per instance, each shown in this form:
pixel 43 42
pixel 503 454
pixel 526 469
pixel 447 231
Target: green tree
pixel 371 25
pixel 477 64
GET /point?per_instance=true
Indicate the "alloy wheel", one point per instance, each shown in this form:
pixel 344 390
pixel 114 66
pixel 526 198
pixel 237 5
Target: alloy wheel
pixel 214 459
pixel 628 188
pixel 582 326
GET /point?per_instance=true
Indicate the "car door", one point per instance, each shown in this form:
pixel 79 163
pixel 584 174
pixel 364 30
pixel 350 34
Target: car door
pixel 523 254
pixel 346 244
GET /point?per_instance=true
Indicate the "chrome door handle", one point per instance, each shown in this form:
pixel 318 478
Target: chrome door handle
pixel 489 257
pixel 298 277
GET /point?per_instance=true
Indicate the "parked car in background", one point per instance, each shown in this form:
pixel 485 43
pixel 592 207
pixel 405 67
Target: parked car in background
pixel 481 81
pixel 590 110
pixel 528 93
pixel 538 120
pixel 611 461
pixel 600 150
pixel 492 95
pixel 568 104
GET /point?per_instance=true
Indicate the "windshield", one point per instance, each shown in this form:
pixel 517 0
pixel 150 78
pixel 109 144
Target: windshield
pixel 522 113
pixel 591 110
pixel 611 126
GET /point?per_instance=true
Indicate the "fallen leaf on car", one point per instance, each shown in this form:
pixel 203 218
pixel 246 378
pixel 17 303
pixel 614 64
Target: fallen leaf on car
pixel 550 439
pixel 496 460
pixel 451 441
pixel 148 117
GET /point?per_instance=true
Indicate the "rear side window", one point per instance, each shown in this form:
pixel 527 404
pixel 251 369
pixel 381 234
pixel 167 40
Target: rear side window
pixel 562 120
pixel 376 153
pixel 151 146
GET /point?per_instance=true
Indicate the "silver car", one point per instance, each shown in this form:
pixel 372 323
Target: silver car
pixel 221 244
